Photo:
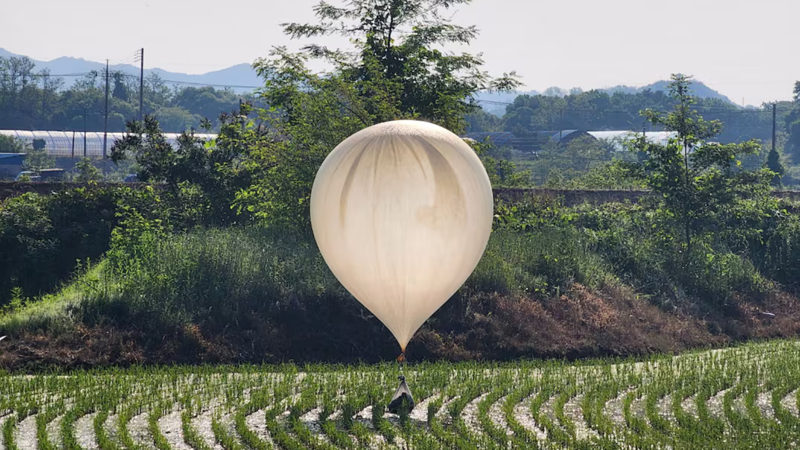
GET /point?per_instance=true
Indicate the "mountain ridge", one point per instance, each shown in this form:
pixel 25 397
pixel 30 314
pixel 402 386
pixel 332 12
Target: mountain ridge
pixel 242 77
pixel 495 102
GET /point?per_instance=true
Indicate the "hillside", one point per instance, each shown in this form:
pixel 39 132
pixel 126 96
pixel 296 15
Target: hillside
pixel 496 102
pixel 699 89
pixel 556 281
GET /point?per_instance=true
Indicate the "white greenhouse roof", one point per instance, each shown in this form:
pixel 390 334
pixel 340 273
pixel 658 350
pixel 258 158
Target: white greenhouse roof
pixel 618 138
pixel 68 143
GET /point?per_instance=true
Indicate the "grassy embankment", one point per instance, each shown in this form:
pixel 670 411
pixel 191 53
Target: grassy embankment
pixel 595 286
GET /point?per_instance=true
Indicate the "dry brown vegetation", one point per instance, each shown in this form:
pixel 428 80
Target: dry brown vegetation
pixel 578 324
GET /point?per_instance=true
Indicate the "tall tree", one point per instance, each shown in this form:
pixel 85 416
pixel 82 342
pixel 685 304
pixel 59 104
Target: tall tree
pixel 395 70
pixel 774 164
pixel 698 180
pixel 397 54
pixel 120 89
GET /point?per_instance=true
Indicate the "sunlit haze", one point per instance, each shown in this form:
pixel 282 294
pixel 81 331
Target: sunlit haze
pixel 743 48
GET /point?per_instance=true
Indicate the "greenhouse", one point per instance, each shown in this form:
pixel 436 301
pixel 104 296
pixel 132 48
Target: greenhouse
pixel 619 138
pixel 74 144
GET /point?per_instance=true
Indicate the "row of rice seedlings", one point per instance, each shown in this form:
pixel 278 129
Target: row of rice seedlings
pixel 549 391
pixel 495 436
pixel 330 389
pixel 282 399
pixel 259 399
pixel 43 419
pixel 606 386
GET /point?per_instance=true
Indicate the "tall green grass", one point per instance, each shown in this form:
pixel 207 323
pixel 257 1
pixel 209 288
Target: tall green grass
pixel 221 275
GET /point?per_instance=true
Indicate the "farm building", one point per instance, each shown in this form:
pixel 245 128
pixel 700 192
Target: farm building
pixel 10 164
pixel 71 143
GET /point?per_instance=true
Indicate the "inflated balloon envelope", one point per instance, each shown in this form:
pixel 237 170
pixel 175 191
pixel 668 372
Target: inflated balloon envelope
pixel 402 213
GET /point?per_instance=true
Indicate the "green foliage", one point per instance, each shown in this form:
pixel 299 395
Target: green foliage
pixel 699 181
pixel 557 165
pixel 211 275
pixel 31 100
pixel 395 71
pixel 86 171
pixel 774 165
pixel 37 159
pixel 9 144
pixel 397 56
pixel 502 172
pixel 610 176
pixel 540 263
pixel 694 400
pixel 481 121
pixel 598 110
pixel 45 237
pixel 781 251
pixel 207 175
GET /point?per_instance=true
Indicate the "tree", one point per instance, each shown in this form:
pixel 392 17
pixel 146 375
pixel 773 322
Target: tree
pixel 774 165
pixel 699 181
pixel 49 93
pixel 206 101
pixel 212 168
pixel 396 56
pixel 502 172
pixel 481 121
pixel 794 139
pixel 9 144
pixel 554 91
pixel 120 91
pixel 85 171
pixel 176 119
pixel 396 70
pixel 38 159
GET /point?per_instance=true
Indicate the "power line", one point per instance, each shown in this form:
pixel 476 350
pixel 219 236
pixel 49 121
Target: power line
pixel 719 109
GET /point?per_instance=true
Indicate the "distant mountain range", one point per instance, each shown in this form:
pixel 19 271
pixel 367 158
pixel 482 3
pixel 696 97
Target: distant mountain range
pixel 241 75
pixel 495 103
pixel 245 78
pixel 698 88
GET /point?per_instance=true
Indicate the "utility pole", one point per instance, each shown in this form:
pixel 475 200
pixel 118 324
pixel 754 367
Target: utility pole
pixel 105 124
pixel 84 131
pixel 141 86
pixel 774 124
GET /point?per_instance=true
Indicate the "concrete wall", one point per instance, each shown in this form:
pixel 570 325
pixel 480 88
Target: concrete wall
pixel 569 197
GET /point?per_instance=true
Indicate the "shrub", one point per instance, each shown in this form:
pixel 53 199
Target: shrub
pixel 541 263
pixel 782 253
pixel 44 237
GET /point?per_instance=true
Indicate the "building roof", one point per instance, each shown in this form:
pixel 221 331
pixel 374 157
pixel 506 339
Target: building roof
pixel 11 158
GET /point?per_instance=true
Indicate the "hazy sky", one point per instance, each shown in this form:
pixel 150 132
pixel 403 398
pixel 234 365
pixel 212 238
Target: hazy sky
pixel 746 49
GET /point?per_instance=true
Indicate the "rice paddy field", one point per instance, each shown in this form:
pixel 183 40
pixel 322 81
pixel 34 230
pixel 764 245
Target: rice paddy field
pixel 742 397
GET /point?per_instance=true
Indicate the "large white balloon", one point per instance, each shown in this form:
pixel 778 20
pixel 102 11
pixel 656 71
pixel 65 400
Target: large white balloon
pixel 402 213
